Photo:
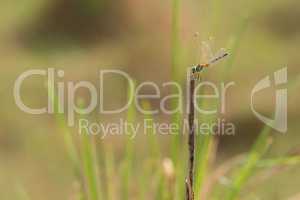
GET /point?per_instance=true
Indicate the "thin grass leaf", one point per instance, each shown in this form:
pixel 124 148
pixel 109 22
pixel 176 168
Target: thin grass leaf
pixel 68 139
pixel 175 48
pixel 239 161
pixel 175 74
pixel 90 168
pixel 127 164
pixel 253 159
pixel 179 192
pixel 110 174
pixel 203 147
pixel 154 158
pixel 177 116
pixel 67 136
pixel 90 165
pixel 154 147
pixel 287 161
pixel 203 165
pixel 257 151
pixel 234 44
pixel 214 16
pixel 160 191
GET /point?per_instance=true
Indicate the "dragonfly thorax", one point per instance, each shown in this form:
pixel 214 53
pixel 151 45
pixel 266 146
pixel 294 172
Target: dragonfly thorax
pixel 197 68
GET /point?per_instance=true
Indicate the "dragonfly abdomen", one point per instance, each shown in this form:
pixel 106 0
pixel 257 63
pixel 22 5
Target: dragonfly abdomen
pixel 219 58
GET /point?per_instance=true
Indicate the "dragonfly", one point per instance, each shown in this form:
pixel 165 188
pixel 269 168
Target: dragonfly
pixel 208 58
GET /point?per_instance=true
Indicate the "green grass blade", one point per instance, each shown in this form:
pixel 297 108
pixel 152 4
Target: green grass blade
pixel 234 44
pixel 202 164
pixel 127 164
pixel 175 73
pixel 253 159
pixel 91 174
pixel 257 151
pixel 288 160
pixel 67 136
pixel 154 148
pixel 202 153
pixel 175 48
pixel 110 174
pixel 176 70
pixel 90 164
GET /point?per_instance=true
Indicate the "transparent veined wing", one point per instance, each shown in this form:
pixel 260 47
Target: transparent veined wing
pixel 206 52
pixel 222 53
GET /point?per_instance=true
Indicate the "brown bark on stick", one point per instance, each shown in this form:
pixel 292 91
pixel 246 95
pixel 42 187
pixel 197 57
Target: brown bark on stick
pixel 191 143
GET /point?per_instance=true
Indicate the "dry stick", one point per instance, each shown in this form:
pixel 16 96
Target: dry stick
pixel 191 143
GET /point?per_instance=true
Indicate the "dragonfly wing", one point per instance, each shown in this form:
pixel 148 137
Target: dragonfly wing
pixel 206 52
pixel 218 56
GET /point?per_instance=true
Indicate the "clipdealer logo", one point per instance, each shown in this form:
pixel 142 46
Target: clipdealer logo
pixel 279 122
pixel 57 88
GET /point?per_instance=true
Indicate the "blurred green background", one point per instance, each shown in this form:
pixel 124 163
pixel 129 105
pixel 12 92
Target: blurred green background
pixel 150 40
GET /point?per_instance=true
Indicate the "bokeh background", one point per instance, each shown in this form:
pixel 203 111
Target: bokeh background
pixel 141 38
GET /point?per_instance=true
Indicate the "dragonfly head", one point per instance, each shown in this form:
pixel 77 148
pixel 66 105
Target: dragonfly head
pixel 194 69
